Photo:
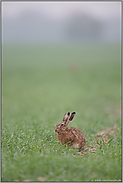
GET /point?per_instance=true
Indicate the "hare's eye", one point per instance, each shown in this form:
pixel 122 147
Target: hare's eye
pixel 61 124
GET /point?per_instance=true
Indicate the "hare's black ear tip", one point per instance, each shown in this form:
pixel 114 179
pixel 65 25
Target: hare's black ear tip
pixel 68 113
pixel 73 112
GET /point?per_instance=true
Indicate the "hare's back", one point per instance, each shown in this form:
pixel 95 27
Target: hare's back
pixel 76 132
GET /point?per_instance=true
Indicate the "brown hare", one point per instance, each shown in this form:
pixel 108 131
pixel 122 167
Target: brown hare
pixel 70 135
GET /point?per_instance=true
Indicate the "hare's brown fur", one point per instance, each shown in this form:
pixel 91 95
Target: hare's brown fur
pixel 70 135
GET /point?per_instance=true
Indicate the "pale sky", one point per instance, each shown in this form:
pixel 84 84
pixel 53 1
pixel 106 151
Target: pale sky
pixel 56 10
pixel 22 20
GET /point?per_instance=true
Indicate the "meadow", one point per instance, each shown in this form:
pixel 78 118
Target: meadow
pixel 40 83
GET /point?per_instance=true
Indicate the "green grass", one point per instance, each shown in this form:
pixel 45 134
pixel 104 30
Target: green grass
pixel 39 85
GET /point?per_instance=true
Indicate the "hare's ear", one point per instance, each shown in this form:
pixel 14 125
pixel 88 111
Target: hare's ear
pixel 65 118
pixel 72 116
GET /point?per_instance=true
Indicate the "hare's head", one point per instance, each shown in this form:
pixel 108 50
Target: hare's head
pixel 66 119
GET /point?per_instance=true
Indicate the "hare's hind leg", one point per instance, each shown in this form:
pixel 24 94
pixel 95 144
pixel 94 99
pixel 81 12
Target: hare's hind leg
pixel 82 147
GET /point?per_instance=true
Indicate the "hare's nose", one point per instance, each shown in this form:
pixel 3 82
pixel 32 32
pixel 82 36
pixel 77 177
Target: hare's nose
pixel 55 130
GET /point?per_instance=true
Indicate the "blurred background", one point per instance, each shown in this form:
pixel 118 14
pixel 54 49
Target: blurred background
pixel 61 22
pixel 59 57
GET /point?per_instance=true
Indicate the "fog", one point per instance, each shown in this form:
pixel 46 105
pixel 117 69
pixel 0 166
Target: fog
pixel 61 22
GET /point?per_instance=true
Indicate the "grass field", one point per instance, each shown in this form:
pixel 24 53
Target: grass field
pixel 39 85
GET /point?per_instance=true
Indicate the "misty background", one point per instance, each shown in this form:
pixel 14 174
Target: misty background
pixel 61 22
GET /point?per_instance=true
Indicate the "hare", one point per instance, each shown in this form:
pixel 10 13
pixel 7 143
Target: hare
pixel 70 135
